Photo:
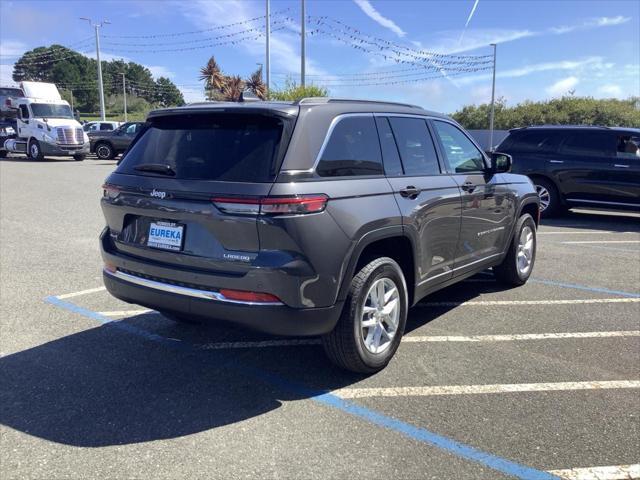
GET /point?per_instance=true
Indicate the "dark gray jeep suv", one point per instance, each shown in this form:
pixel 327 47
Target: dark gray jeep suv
pixel 321 217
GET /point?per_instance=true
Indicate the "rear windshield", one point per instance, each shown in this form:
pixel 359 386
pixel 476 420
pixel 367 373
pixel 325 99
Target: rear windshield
pixel 11 92
pixel 225 147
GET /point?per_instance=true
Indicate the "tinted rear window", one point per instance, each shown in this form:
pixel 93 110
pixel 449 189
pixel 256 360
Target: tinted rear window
pixel 589 143
pixel 353 149
pixel 535 141
pixel 224 147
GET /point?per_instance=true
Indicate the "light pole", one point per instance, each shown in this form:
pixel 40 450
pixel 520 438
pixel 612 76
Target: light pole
pixel 100 86
pixel 302 47
pixel 268 54
pixel 124 95
pixel 493 98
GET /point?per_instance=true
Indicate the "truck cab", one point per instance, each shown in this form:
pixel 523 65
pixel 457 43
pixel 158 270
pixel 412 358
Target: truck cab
pixel 45 125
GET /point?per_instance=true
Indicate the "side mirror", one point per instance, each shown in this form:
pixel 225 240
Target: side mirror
pixel 500 162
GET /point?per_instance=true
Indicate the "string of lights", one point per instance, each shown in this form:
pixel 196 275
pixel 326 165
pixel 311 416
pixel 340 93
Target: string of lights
pixel 261 28
pixel 206 30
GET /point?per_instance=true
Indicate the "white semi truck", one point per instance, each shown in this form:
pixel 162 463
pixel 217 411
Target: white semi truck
pixel 40 123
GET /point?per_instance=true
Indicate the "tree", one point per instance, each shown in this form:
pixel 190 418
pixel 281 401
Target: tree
pixel 230 87
pixel 568 110
pixel 167 94
pixel 292 91
pixel 75 73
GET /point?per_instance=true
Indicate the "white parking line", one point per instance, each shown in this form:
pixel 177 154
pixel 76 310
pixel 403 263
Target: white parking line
pixel 81 292
pixel 124 313
pixel 558 232
pixel 427 339
pixel 438 390
pixel 614 472
pixel 529 302
pixel 520 336
pixel 600 241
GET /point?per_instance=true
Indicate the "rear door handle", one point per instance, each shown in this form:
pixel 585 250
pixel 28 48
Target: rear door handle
pixel 617 165
pixel 556 161
pixel 468 187
pixel 409 192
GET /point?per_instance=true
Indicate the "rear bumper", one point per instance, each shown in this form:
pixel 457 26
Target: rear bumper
pixel 275 319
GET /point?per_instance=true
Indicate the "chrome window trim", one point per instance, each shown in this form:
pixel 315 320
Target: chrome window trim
pixel 178 290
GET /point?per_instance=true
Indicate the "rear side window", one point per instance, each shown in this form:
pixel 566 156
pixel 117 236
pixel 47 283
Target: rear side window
pixel 353 149
pixel 460 152
pixel 589 143
pixel 106 126
pixel 224 147
pixel 416 147
pixel 531 141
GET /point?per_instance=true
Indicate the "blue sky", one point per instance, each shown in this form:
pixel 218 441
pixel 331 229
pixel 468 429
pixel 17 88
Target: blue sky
pixel 545 48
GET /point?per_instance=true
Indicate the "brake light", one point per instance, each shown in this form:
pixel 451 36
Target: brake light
pixel 293 205
pixel 110 191
pixel 244 296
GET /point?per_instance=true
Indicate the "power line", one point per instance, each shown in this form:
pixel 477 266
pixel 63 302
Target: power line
pixel 260 28
pixel 193 32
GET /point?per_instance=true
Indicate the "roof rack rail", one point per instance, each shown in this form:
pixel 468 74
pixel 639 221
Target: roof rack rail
pixel 551 125
pixel 319 100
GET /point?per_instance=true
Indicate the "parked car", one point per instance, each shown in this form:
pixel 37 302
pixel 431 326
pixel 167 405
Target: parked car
pixel 320 217
pixel 595 167
pixel 108 144
pixel 99 126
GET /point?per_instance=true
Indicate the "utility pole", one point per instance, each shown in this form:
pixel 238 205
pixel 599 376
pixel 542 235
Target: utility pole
pixel 100 86
pixel 268 54
pixel 302 50
pixel 493 98
pixel 124 95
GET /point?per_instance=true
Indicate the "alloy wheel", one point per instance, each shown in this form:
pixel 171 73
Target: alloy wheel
pixel 380 315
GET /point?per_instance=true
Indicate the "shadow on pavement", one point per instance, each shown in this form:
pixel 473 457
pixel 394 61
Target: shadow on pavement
pixel 596 220
pixel 106 386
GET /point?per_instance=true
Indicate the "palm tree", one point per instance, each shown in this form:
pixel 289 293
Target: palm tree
pixel 213 77
pixel 233 88
pixel 256 85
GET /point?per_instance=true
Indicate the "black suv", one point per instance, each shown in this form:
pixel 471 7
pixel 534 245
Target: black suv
pixel 595 167
pixel 106 144
pixel 320 217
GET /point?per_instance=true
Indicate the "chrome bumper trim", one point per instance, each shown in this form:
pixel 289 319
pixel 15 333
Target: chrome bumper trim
pixel 178 290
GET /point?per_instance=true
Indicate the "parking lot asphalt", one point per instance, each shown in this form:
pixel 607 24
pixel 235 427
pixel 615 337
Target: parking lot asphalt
pixel 532 382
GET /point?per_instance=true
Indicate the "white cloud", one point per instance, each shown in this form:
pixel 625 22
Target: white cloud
pixel 590 63
pixel 377 17
pixel 160 71
pixel 610 90
pixel 562 87
pixel 450 41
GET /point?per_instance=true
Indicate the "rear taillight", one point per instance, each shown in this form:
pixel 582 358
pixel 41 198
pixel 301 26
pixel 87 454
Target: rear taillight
pixel 110 191
pixel 293 205
pixel 253 297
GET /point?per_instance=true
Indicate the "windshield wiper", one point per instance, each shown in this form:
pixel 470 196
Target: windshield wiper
pixel 156 168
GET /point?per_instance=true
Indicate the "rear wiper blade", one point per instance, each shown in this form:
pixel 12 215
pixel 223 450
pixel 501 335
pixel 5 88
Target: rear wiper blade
pixel 156 168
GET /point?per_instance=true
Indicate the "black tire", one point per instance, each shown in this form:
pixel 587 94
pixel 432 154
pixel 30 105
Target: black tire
pixel 79 158
pixel 180 318
pixel 34 151
pixel 104 151
pixel 345 345
pixel 3 153
pixel 550 206
pixel 508 272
